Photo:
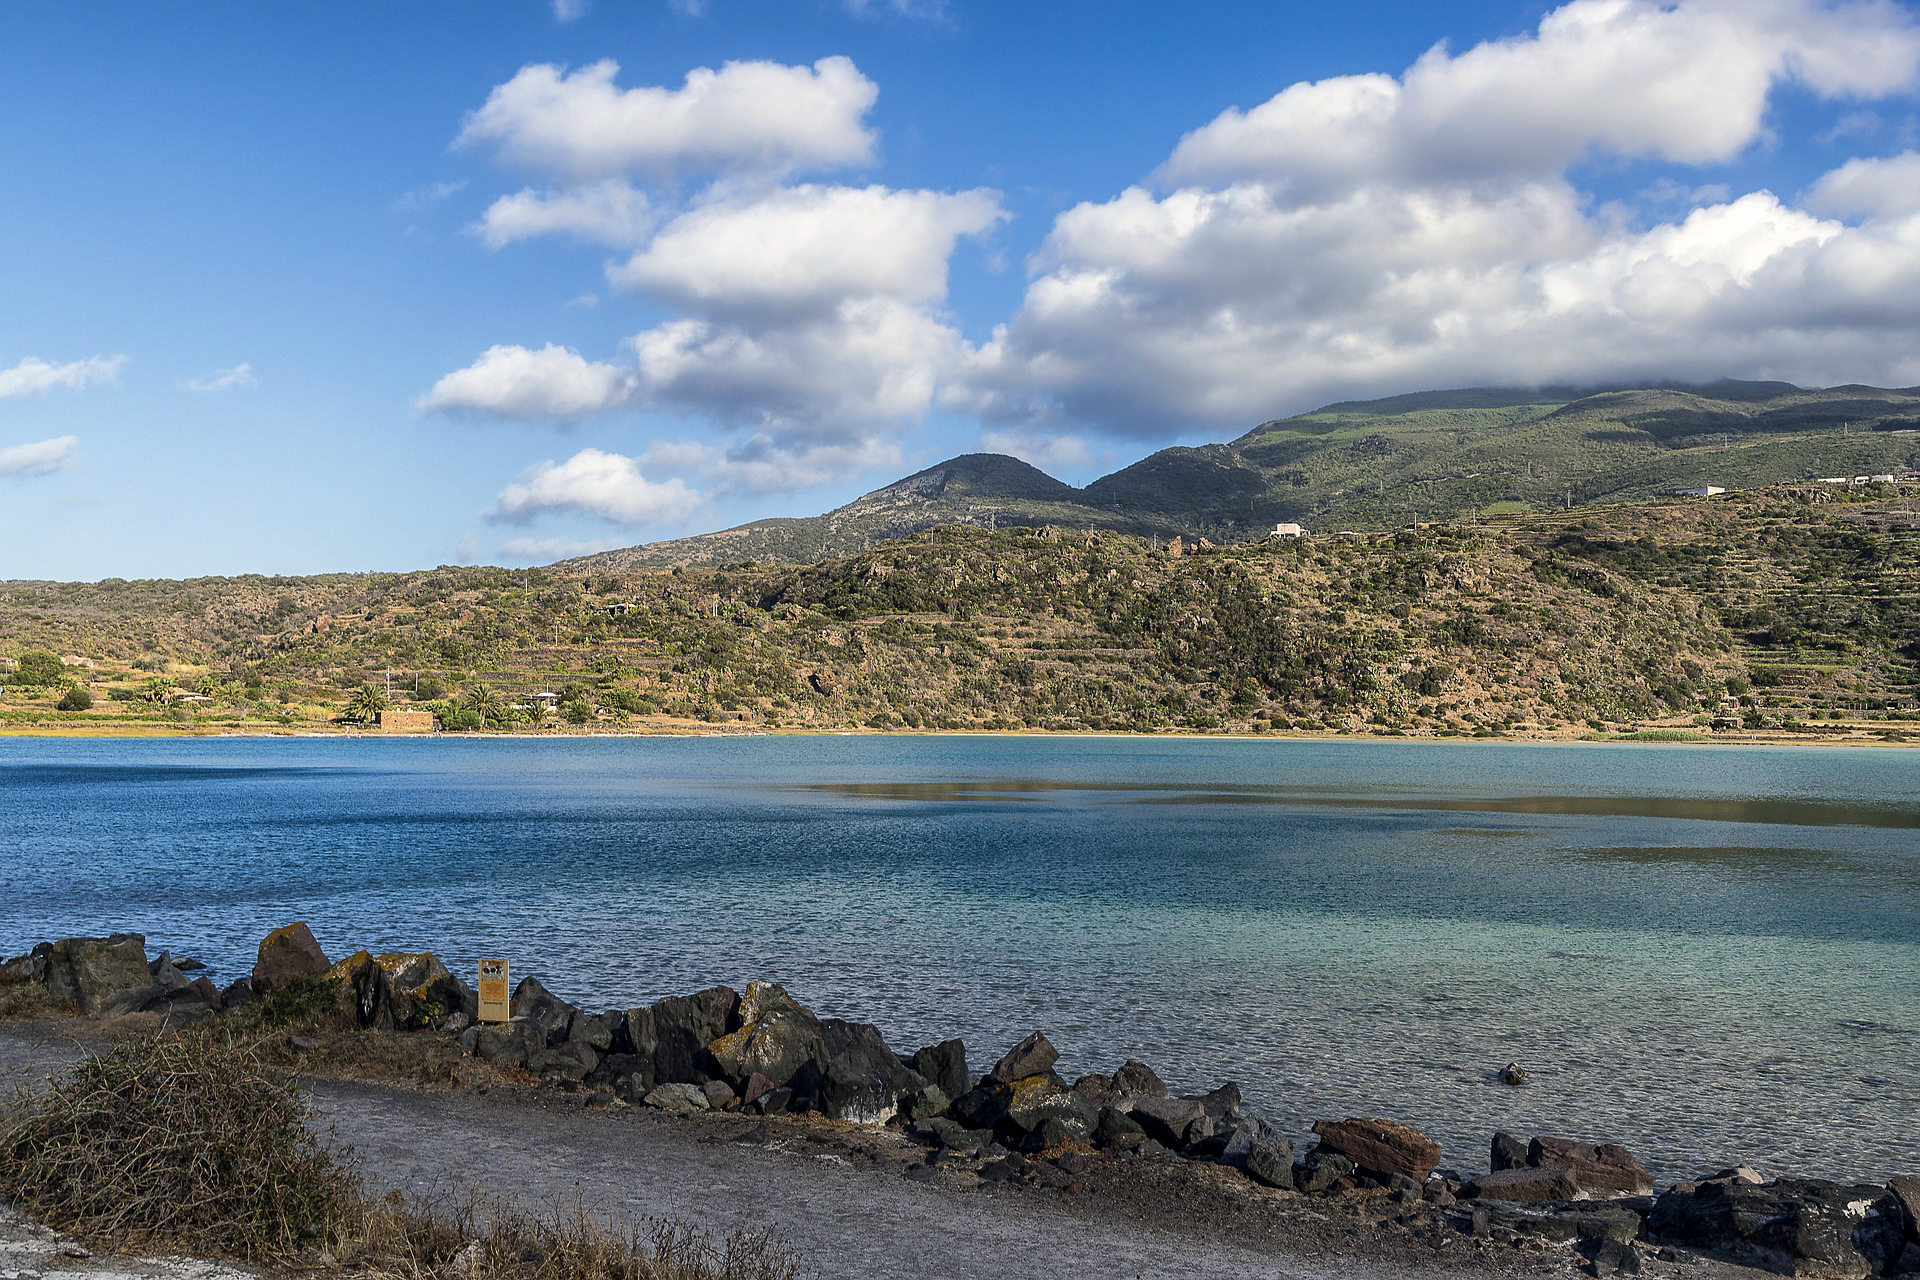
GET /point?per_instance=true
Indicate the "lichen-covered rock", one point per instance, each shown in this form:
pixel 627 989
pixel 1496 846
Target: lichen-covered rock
pixel 1381 1148
pixel 287 953
pixel 777 1036
pixel 419 989
pixel 88 973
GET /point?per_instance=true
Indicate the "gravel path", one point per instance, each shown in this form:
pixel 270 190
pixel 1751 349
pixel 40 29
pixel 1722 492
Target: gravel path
pixel 840 1199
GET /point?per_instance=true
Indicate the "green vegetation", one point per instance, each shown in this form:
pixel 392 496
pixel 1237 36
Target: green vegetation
pixel 1791 609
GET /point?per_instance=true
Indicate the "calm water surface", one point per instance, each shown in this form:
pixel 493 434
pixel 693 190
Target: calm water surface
pixel 1709 954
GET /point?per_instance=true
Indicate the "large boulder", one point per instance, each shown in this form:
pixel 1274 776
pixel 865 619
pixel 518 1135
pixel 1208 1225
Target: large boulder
pixel 1137 1080
pixel 776 1036
pixel 1030 1112
pixel 1602 1170
pixel 669 1037
pixel 1907 1192
pixel 861 1080
pixel 1381 1148
pixel 546 1016
pixel 1173 1122
pixel 368 991
pixel 288 953
pixel 1033 1056
pixel 420 990
pixel 1798 1227
pixel 89 973
pixel 945 1065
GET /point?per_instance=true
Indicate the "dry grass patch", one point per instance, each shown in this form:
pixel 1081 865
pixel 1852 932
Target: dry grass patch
pixel 195 1143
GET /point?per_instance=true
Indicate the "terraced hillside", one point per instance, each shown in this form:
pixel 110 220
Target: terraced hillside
pixel 1447 455
pixel 1792 608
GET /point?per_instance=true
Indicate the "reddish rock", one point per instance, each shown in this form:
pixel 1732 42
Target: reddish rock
pixel 1381 1147
pixel 286 954
pixel 1602 1170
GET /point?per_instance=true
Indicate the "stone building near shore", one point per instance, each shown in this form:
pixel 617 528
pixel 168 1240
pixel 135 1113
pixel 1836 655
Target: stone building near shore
pixel 406 722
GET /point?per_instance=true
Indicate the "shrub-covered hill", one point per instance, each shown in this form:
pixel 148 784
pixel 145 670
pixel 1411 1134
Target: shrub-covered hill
pixel 1798 608
pixel 1379 464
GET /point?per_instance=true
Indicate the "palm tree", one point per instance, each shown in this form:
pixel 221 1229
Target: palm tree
pixel 366 704
pixel 485 703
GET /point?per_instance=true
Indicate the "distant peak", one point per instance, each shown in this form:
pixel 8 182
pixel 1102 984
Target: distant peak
pixel 975 475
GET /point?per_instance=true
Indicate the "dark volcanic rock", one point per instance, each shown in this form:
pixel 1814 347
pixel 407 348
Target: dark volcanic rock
pixel 1525 1185
pixel 570 1060
pixel 1137 1080
pixel 1015 1110
pixel 1118 1130
pixel 31 967
pixel 1602 1170
pixel 1381 1147
pixel 287 953
pixel 1799 1227
pixel 1031 1057
pixel 1096 1090
pixel 1907 1192
pixel 1320 1169
pixel 89 973
pixel 1270 1164
pixel 368 990
pixel 944 1064
pixel 1508 1153
pixel 776 1036
pixel 545 1015
pixel 1223 1104
pixel 862 1080
pixel 1173 1122
pixel 672 1036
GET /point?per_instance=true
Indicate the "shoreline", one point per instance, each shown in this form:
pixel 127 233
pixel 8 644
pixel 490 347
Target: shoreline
pixel 156 733
pixel 758 1070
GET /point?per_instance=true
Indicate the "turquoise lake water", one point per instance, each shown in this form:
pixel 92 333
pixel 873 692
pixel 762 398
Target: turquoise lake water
pixel 1709 954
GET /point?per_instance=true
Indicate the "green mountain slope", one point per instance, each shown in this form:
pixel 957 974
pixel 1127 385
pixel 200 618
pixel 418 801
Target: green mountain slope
pixel 1378 464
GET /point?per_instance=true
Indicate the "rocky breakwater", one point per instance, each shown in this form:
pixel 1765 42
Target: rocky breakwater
pixel 1021 1122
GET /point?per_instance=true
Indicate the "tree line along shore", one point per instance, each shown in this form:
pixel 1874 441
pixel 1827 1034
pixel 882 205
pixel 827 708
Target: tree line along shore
pixel 1781 612
pixel 1019 1122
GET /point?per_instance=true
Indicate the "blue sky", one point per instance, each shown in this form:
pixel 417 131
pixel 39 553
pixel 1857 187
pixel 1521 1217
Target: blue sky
pixel 294 289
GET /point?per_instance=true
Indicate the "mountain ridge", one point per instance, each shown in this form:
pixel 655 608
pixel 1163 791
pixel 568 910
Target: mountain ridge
pixel 1372 464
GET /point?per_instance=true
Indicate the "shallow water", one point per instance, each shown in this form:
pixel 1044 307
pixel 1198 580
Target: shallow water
pixel 1710 954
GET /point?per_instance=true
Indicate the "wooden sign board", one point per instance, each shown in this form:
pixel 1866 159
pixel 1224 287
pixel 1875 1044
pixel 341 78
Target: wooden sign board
pixel 493 991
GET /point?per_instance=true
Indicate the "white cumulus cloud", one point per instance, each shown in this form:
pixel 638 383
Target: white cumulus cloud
pixel 550 384
pixel 755 117
pixel 1372 234
pixel 807 249
pixel 611 213
pixel 34 376
pixel 609 486
pixel 760 464
pixel 43 457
